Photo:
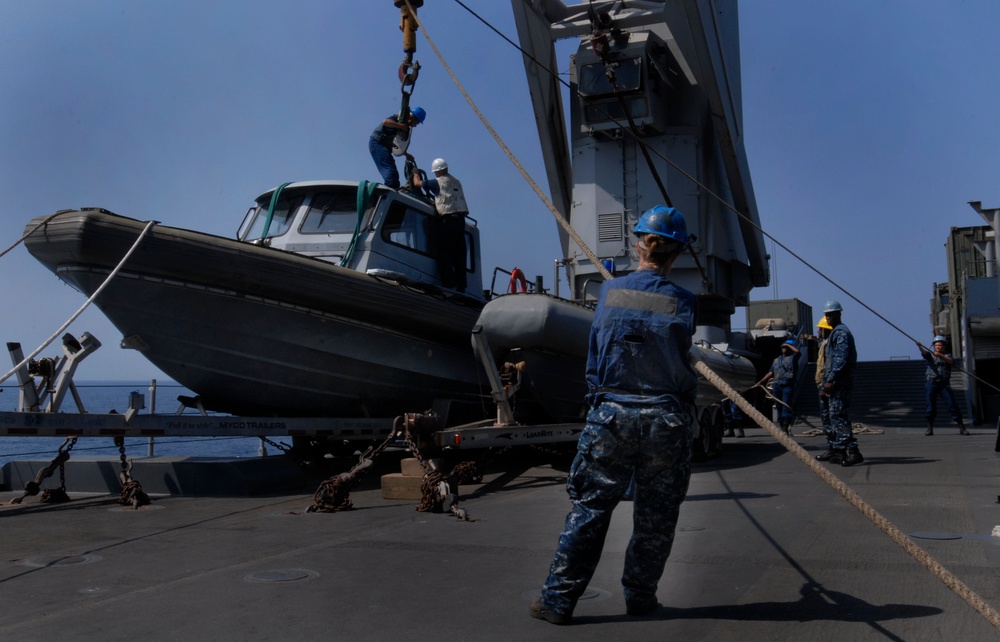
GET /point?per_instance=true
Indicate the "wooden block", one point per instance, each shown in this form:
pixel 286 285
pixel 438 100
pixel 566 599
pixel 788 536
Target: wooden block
pixel 400 486
pixel 411 467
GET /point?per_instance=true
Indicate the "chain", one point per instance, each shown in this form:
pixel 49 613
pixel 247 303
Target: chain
pixel 132 493
pixel 50 496
pixel 282 447
pixel 439 491
pixel 334 493
pixel 467 472
pixel 59 495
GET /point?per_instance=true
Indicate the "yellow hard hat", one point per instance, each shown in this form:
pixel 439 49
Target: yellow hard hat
pixel 824 324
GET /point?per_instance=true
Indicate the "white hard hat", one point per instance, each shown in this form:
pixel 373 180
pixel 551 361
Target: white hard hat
pixel 439 164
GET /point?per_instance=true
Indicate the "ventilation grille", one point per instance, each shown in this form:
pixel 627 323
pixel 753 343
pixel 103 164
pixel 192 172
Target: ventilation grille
pixel 609 227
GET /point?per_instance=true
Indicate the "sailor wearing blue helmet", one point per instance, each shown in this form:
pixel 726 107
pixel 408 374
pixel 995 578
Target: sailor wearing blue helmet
pixel 381 141
pixel 783 372
pixel 639 425
pixel 938 383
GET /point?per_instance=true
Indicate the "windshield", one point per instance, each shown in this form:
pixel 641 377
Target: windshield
pixel 332 212
pixel 281 221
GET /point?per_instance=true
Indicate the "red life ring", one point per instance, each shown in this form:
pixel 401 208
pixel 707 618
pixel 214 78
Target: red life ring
pixel 517 277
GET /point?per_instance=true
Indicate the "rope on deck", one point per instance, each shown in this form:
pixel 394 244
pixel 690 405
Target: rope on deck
pixel 890 529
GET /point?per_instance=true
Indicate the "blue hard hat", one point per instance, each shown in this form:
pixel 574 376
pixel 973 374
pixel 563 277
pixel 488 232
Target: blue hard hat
pixel 939 339
pixel 790 343
pixel 419 113
pixel 832 306
pixel 663 221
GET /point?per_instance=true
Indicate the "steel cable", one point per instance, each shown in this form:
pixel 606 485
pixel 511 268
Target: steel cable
pixel 513 159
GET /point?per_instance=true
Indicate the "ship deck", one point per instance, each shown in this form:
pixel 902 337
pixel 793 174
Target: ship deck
pixel 764 550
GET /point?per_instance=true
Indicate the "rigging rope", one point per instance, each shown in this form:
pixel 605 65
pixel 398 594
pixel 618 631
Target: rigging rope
pixel 513 159
pixel 900 538
pixel 365 191
pixel 270 209
pixel 32 231
pixel 708 191
pixel 83 307
pixel 887 527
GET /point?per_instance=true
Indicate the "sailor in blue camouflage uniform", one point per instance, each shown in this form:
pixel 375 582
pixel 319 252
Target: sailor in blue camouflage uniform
pixel 840 358
pixel 938 382
pixel 783 387
pixel 640 424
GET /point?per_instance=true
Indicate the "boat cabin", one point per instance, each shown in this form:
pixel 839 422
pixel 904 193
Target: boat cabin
pixel 363 227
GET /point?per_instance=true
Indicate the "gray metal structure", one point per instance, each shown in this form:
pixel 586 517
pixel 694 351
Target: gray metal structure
pixel 969 314
pixel 678 75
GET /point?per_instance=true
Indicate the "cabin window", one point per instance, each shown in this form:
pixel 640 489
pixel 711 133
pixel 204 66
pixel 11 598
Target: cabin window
pixel 600 103
pixel 410 228
pixel 470 254
pixel 332 213
pixel 281 221
pixel 594 80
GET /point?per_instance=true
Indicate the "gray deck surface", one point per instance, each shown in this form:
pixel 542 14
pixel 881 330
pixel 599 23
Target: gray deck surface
pixel 764 551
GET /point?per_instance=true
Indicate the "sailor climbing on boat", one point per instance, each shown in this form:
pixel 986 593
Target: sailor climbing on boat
pixel 392 137
pixel 449 201
pixel 384 143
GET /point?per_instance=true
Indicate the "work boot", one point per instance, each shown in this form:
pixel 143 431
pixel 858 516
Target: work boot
pixel 785 429
pixel 930 428
pixel 541 612
pixel 852 457
pixel 729 433
pixel 643 606
pixel 741 433
pixel 832 455
pixel 961 429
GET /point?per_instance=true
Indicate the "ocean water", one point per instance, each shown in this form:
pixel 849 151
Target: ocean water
pixel 104 396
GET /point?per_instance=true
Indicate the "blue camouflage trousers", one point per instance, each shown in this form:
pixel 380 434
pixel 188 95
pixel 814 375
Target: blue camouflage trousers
pixel 833 411
pixel 651 444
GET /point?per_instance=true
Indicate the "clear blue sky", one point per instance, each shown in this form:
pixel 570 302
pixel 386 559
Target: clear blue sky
pixel 869 125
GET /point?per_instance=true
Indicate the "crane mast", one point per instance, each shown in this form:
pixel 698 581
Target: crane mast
pixel 664 76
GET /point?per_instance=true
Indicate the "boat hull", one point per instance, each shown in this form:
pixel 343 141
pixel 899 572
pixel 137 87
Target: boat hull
pixel 254 330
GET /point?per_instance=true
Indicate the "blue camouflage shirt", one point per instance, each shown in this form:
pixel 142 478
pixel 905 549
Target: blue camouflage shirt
pixel 640 340
pixel 840 358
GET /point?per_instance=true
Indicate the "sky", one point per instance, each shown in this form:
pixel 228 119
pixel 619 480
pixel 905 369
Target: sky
pixel 869 125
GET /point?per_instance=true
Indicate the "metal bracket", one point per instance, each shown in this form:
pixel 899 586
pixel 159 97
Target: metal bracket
pixel 501 393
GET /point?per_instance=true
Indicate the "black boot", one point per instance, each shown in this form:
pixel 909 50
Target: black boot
pixel 961 428
pixel 930 427
pixel 740 433
pixel 852 457
pixel 833 456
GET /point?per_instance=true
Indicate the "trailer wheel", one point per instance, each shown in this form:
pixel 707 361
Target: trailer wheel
pixel 718 428
pixel 702 447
